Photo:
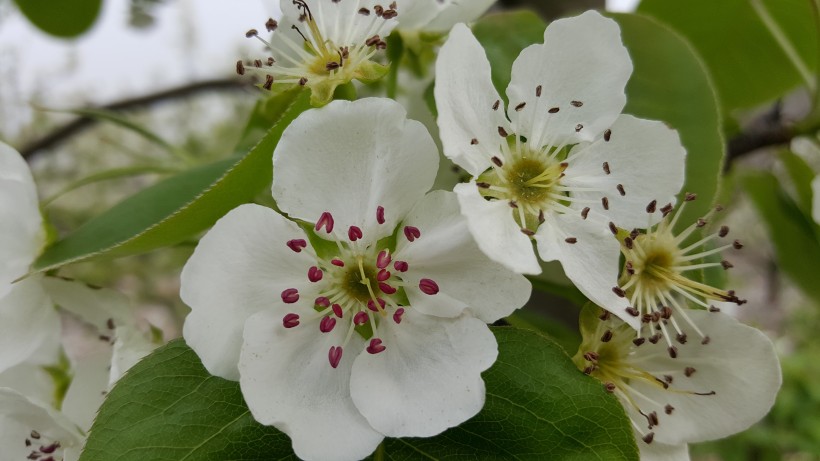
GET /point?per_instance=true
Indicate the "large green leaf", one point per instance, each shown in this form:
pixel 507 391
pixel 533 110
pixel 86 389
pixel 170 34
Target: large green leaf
pixel 792 232
pixel 748 64
pixel 61 18
pixel 178 207
pixel 539 406
pixel 671 84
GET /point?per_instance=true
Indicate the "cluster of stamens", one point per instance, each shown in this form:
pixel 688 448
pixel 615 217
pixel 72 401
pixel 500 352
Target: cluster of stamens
pixel 657 275
pixel 320 51
pixel 361 284
pixel 611 356
pixel 43 449
pixel 528 173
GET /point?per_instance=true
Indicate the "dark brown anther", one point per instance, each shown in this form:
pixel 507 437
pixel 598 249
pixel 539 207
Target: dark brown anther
pixel 714 309
pixel 271 25
pixel 606 168
pixel 706 340
pixel 673 352
pixel 630 269
pixel 724 231
pixel 621 190
pixel 303 81
pixel 104 338
pixel 605 315
pixel 483 185
pixel 373 41
pixel 591 356
pixel 571 240
pixel 607 135
pixel 578 128
pixel 653 205
pixel 502 132
pixel 390 14
pixel 270 61
pixel 718 208
pixel 655 338
pixel 526 231
pixel 638 342
pixel 634 234
pixel 610 387
pixel 647 318
pixel 538 91
pixel 240 68
pixel 497 161
pixel 726 265
pixel 737 245
pixel 618 292
pixel 689 371
pixel 554 110
pixel 607 336
pixel 690 197
pixel 701 222
pixel 668 409
pixel 632 311
pixel 585 212
pixel 474 142
pixel 257 63
pixel 668 378
pixel 667 209
pixel 379 10
pixel 588 370
pixel 496 104
pixel 648 438
pixel 629 243
pixel 393 5
pixel 35 435
pixel 520 107
pixel 613 228
pixel 605 203
pixel 652 418
pixel 682 338
pixel 364 12
pixel 576 103
pixel 110 324
pixel 268 82
pixel 541 217
pixel 513 204
pixel 251 33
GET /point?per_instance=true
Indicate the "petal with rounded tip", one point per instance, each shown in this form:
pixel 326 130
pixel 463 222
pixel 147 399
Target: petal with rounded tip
pixel 28 321
pixel 19 416
pixel 448 254
pixel 458 11
pixel 358 155
pixel 428 378
pixel 288 383
pixel 239 268
pixel 582 68
pixel 465 99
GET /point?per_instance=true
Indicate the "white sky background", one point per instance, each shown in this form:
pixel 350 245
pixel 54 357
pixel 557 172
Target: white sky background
pixel 114 61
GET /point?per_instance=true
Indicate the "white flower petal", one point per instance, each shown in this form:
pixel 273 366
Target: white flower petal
pixel 28 320
pixel 21 225
pixel 417 14
pixel 88 388
pixel 495 231
pixel 131 346
pixel 447 254
pixel 239 268
pixel 582 60
pixel 465 98
pixel 739 364
pixel 95 306
pixel 31 380
pixel 815 189
pixel 645 157
pixel 458 11
pixel 657 451
pixel 339 21
pixel 288 382
pixel 428 378
pixel 358 156
pixel 592 263
pixel 19 416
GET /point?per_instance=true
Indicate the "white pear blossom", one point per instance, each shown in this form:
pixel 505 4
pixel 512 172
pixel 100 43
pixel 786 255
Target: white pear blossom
pixel 438 16
pixel 367 319
pixel 707 390
pixel 560 163
pixel 30 430
pixel 322 44
pixel 659 276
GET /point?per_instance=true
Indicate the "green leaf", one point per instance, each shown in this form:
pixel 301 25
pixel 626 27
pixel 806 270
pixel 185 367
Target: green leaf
pixel 529 319
pixel 671 84
pixel 503 36
pixel 792 232
pixel 539 406
pixel 178 207
pixel 168 408
pixel 62 18
pixel 801 175
pixel 747 62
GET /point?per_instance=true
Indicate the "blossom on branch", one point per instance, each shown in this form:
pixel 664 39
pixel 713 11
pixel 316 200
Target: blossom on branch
pixel 560 163
pixel 365 317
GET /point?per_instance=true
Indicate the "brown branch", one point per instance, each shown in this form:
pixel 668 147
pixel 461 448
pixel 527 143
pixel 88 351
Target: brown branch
pixel 750 141
pixel 80 123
